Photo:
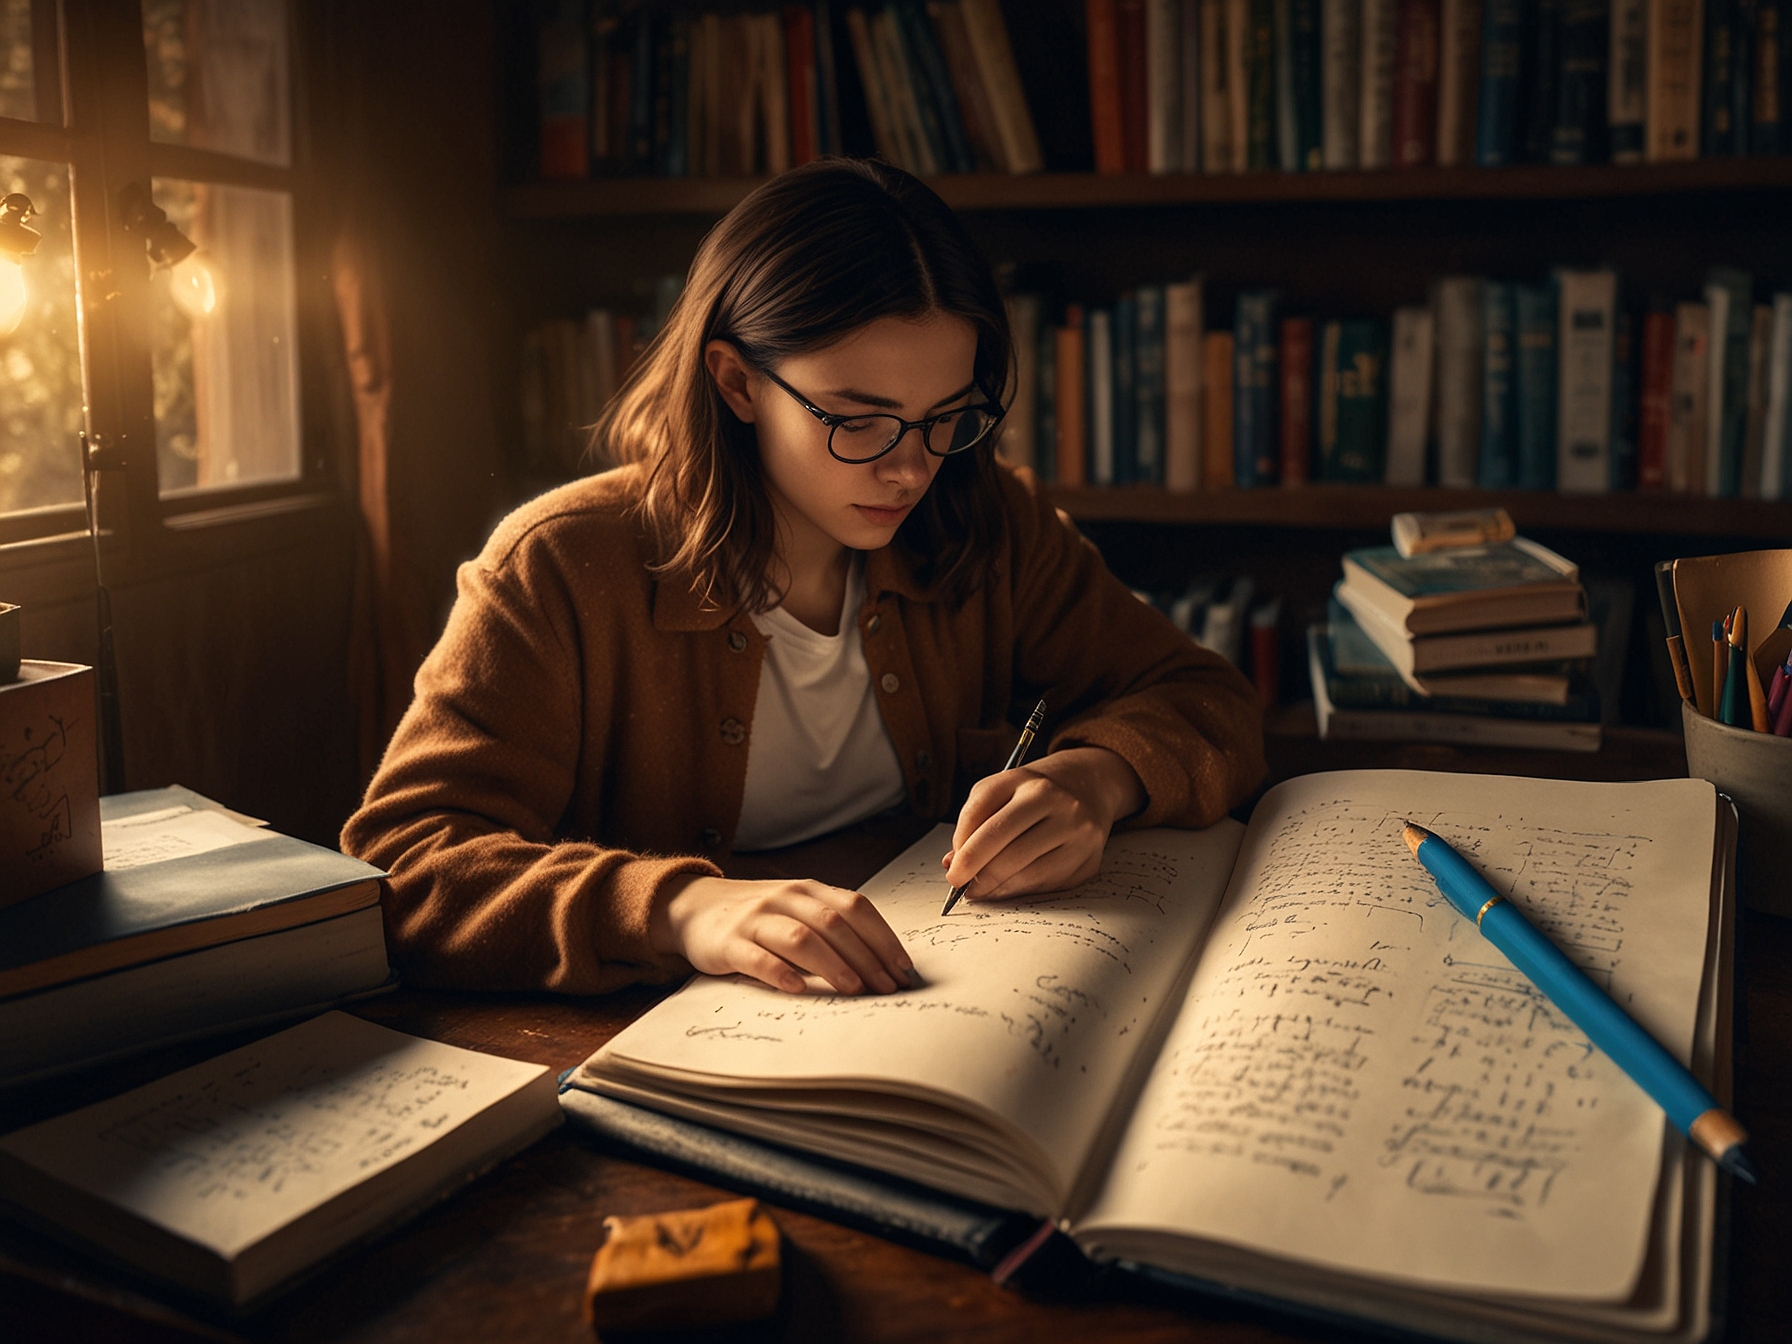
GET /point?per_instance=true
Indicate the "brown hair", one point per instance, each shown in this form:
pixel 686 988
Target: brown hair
pixel 808 258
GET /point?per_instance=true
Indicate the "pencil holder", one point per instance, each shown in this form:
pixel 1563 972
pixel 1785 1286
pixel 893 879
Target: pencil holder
pixel 1754 769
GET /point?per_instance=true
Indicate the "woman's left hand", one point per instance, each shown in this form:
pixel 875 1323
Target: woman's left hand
pixel 1041 827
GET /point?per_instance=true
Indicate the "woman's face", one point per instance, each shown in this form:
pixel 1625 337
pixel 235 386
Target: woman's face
pixel 892 366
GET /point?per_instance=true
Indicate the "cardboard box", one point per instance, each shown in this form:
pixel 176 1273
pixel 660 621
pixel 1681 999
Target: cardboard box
pixel 49 779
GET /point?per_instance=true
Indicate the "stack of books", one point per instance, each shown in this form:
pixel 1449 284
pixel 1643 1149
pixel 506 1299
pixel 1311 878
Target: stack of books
pixel 1485 644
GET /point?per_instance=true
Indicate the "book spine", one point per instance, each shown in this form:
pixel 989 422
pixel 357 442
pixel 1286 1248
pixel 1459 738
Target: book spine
pixel 1772 67
pixel 1542 67
pixel 1776 449
pixel 1627 90
pixel 1341 81
pixel 1071 387
pixel 1163 91
pixel 1457 306
pixel 1728 297
pixel 678 148
pixel 928 64
pixel 1657 401
pixel 1135 85
pixel 1409 395
pixel 1287 133
pixel 1238 80
pixel 706 95
pixel 1182 385
pixel 1306 63
pixel 1325 411
pixel 1686 423
pixel 1717 121
pixel 1148 387
pixel 1626 340
pixel 640 111
pixel 1458 81
pixel 1126 404
pixel 1672 72
pixel 1375 90
pixel 1106 112
pixel 799 69
pixel 1019 441
pixel 1360 368
pixel 1216 410
pixel 1216 88
pixel 877 101
pixel 1535 373
pixel 974 110
pixel 1754 441
pixel 1502 49
pixel 1296 360
pixel 916 111
pixel 1498 467
pixel 1499 648
pixel 1260 85
pixel 564 96
pixel 1045 415
pixel 1255 446
pixel 1584 335
pixel 774 104
pixel 1577 136
pixel 1188 67
pixel 1098 377
pixel 988 34
pixel 1415 83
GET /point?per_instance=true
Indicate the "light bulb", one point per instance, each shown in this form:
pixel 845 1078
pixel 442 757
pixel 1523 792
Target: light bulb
pixel 196 286
pixel 12 295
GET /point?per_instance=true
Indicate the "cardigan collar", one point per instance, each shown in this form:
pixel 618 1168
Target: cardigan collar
pixel 678 607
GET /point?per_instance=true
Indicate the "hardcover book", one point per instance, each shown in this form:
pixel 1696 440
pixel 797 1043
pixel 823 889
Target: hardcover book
pixel 1352 409
pixel 1536 370
pixel 1467 587
pixel 1255 443
pixel 1498 468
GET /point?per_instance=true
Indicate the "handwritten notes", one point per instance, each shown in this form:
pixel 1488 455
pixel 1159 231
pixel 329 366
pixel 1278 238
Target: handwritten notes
pixel 227 1152
pixel 1031 1010
pixel 49 787
pixel 172 833
pixel 1357 1078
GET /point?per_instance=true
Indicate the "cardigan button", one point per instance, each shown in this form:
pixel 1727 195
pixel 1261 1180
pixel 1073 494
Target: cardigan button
pixel 890 682
pixel 736 640
pixel 709 837
pixel 734 732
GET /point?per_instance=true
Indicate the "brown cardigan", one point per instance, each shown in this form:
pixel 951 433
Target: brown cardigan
pixel 579 734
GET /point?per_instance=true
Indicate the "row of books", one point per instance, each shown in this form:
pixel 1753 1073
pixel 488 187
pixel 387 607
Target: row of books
pixel 1560 384
pixel 1234 619
pixel 715 90
pixel 728 87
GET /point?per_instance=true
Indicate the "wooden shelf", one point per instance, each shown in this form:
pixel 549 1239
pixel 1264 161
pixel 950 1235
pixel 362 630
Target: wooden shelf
pixel 1369 507
pixel 620 196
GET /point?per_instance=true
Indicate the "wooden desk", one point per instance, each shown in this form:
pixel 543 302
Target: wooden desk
pixel 505 1259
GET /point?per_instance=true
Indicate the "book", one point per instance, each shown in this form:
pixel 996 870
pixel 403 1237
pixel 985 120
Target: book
pixel 1498 466
pixel 987 32
pixel 1216 88
pixel 1217 451
pixel 1754 443
pixel 1457 307
pixel 1183 325
pixel 1776 448
pixel 1362 675
pixel 1423 720
pixel 1098 364
pixel 1480 650
pixel 1266 651
pixel 1627 84
pixel 1259 85
pixel 1135 88
pixel 1578 135
pixel 932 79
pixel 1352 409
pixel 1586 322
pixel 1255 444
pixel 1125 370
pixel 1305 103
pixel 230 1179
pixel 1416 52
pixel 1019 441
pixel 1296 420
pixel 1771 68
pixel 1458 80
pixel 1114 1058
pixel 1188 66
pixel 1375 91
pixel 1727 300
pixel 1072 387
pixel 976 111
pixel 1656 402
pixel 1107 113
pixel 1626 380
pixel 1672 75
pixel 1536 371
pixel 1687 418
pixel 1163 85
pixel 181 874
pixel 1148 386
pixel 1045 433
pixel 799 69
pixel 563 149
pixel 1409 395
pixel 1341 80
pixel 1717 85
pixel 1517 582
pixel 1502 49
pixel 1239 25
pixel 1542 69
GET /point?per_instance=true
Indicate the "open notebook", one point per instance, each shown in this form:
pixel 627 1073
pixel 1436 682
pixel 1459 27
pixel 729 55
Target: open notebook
pixel 1273 1059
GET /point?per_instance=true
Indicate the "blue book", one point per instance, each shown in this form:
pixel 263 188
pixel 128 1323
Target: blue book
pixel 1728 296
pixel 1148 387
pixel 1350 421
pixel 1498 467
pixel 1578 134
pixel 1126 404
pixel 927 69
pixel 1254 443
pixel 1306 75
pixel 1502 52
pixel 1717 88
pixel 1535 370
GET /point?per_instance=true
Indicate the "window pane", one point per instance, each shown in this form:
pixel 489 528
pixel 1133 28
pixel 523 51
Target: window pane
pixel 28 65
pixel 226 340
pixel 40 363
pixel 218 76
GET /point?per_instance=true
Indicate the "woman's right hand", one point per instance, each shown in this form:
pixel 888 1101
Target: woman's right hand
pixel 778 932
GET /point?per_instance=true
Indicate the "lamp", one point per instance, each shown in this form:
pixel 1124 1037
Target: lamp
pixel 16 243
pixel 193 282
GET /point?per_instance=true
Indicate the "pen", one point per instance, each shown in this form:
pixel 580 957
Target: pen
pixel 1759 719
pixel 1692 1109
pixel 1720 664
pixel 1733 707
pixel 1015 757
pixel 1670 617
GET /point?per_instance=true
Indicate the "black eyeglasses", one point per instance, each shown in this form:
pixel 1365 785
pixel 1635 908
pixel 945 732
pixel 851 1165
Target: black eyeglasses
pixel 865 438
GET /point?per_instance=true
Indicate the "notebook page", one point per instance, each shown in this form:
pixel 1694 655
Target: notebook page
pixel 226 1152
pixel 1358 1079
pixel 1030 1008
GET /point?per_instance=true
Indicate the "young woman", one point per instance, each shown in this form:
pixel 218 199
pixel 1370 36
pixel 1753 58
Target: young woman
pixel 810 596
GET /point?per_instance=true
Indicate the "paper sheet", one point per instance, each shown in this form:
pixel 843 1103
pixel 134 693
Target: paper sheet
pixel 172 833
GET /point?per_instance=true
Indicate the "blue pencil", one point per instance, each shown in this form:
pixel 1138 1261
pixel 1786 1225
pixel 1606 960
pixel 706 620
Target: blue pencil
pixel 1692 1109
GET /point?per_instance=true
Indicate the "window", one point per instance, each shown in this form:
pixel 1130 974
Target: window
pixel 206 342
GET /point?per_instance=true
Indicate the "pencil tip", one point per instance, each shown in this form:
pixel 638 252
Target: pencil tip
pixel 1736 1162
pixel 1414 837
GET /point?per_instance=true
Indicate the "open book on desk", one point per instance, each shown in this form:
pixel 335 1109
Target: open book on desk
pixel 1274 1059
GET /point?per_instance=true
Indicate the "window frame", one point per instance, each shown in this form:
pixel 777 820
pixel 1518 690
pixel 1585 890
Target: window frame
pixel 104 139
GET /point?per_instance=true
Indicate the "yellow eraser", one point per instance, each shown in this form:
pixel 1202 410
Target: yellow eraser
pixel 686 1268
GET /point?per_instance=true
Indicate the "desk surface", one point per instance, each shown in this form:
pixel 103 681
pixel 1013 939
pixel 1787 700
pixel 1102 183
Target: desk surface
pixel 506 1258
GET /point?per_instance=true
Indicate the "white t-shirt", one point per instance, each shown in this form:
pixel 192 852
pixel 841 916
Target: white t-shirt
pixel 819 757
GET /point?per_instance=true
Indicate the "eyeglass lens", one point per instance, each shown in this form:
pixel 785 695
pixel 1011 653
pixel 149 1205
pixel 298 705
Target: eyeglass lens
pixel 867 436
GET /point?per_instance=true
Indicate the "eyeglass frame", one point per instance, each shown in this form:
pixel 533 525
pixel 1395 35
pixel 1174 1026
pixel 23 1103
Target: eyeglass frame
pixel 992 408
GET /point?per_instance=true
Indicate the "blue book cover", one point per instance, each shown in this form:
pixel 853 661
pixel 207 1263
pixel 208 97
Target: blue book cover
pixel 1535 370
pixel 1254 441
pixel 1306 74
pixel 1585 42
pixel 1717 88
pixel 1148 387
pixel 1126 404
pixel 1729 416
pixel 927 68
pixel 1502 51
pixel 1351 413
pixel 1498 468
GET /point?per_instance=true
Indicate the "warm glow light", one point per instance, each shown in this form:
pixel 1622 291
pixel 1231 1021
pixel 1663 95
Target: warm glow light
pixel 196 286
pixel 12 295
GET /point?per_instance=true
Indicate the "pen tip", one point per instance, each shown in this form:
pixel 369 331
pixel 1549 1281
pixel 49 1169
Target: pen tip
pixel 1736 1162
pixel 1414 837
